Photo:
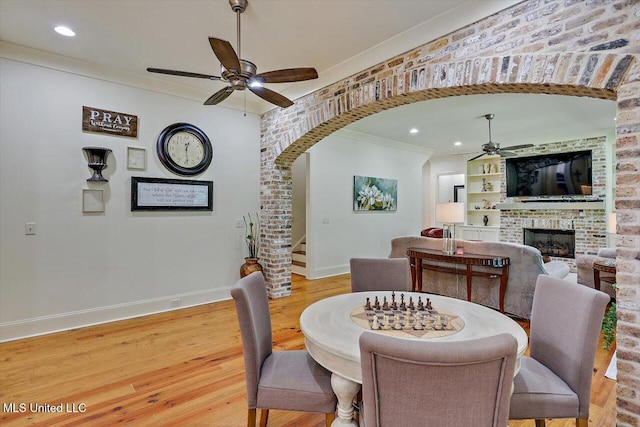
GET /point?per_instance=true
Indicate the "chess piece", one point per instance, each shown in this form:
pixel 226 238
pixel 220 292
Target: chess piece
pixel 446 324
pixel 407 321
pixel 429 307
pixel 438 323
pixel 376 304
pixel 403 306
pixel 385 304
pixel 367 306
pixel 411 305
pixel 374 324
pixel 420 304
pixel 417 323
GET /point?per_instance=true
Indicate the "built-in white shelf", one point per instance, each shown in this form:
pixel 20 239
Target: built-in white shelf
pixel 551 205
pixel 484 210
pixel 483 192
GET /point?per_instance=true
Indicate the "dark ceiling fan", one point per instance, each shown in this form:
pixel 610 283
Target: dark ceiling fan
pixel 241 74
pixel 492 148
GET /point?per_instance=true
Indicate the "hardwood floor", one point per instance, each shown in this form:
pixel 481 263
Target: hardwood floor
pixel 183 368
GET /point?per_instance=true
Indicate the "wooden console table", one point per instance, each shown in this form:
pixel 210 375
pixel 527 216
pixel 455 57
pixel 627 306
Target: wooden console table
pixel 420 258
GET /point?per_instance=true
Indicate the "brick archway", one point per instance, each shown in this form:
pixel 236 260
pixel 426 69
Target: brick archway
pixel 577 47
pixel 593 75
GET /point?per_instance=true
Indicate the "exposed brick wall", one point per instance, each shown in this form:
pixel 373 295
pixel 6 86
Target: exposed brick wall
pixel 590 225
pixel 570 47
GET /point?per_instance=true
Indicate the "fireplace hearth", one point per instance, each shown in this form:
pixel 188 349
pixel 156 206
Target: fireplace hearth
pixel 551 242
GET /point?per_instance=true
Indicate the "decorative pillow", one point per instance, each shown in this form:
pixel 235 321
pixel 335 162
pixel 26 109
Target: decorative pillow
pixel 434 232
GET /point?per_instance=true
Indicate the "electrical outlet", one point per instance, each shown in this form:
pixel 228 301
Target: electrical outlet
pixel 325 220
pixel 239 223
pixel 30 228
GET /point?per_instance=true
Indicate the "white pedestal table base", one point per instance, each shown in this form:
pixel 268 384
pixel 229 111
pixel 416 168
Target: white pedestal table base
pixel 345 391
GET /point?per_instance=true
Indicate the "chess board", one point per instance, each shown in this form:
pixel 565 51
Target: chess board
pixel 409 322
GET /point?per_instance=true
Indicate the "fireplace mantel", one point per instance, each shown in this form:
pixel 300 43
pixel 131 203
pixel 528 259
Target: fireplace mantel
pixel 551 205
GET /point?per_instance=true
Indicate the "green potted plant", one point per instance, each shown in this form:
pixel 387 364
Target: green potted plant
pixel 252 239
pixel 609 324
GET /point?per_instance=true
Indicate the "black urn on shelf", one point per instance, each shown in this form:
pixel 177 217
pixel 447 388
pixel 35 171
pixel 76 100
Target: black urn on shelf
pixel 485 220
pixel 97 158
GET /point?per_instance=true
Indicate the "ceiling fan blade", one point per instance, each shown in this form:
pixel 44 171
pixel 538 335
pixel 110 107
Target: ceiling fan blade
pixel 287 75
pixel 506 153
pixel 271 96
pixel 219 96
pixel 477 157
pixel 225 54
pixel 182 73
pixel 517 147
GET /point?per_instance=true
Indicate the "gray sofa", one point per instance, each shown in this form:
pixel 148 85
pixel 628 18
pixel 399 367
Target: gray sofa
pixel 526 265
pixel 584 263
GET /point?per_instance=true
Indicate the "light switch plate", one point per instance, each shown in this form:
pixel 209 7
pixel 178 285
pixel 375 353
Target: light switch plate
pixel 30 228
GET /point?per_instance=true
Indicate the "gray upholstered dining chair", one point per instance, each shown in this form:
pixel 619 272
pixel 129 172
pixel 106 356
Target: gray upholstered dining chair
pixel 420 383
pixel 287 380
pixel 380 274
pixel 555 381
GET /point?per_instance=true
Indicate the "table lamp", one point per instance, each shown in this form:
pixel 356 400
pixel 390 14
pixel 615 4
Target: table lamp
pixel 611 229
pixel 449 214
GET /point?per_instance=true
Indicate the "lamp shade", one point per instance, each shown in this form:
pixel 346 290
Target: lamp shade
pixel 450 213
pixel 611 227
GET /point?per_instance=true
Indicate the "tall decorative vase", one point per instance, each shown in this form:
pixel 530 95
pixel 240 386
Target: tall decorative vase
pixel 485 220
pixel 250 265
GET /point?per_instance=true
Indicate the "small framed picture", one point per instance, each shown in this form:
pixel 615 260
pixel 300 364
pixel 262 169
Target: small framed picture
pixel 136 158
pixel 92 201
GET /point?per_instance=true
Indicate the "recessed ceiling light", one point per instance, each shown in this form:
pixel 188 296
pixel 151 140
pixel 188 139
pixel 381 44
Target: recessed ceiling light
pixel 65 31
pixel 457 143
pixel 414 130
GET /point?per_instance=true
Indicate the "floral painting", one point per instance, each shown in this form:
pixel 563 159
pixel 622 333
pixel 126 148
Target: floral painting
pixel 374 194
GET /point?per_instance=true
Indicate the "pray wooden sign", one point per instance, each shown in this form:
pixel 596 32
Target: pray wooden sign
pixel 110 122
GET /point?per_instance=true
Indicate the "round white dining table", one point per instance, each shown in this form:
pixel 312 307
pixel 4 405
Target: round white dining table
pixel 332 337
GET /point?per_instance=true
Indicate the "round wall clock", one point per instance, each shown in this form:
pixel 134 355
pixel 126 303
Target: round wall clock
pixel 184 149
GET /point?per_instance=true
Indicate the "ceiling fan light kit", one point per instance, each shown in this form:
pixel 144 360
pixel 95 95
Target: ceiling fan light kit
pixel 242 74
pixel 491 148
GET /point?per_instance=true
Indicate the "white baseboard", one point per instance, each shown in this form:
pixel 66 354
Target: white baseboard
pixel 320 273
pixel 10 331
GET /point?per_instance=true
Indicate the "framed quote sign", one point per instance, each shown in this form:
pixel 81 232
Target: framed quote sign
pixel 160 194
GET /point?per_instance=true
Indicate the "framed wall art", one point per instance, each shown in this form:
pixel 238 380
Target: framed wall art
pixel 92 201
pixel 374 194
pixel 136 158
pixel 160 194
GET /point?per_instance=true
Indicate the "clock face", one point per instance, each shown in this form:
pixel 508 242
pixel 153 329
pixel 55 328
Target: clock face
pixel 184 149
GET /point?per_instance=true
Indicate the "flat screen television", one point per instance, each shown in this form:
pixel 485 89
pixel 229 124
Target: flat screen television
pixel 550 175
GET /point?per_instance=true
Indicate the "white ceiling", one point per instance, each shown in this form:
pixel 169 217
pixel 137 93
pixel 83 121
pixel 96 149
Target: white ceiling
pixel 519 119
pixel 119 39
